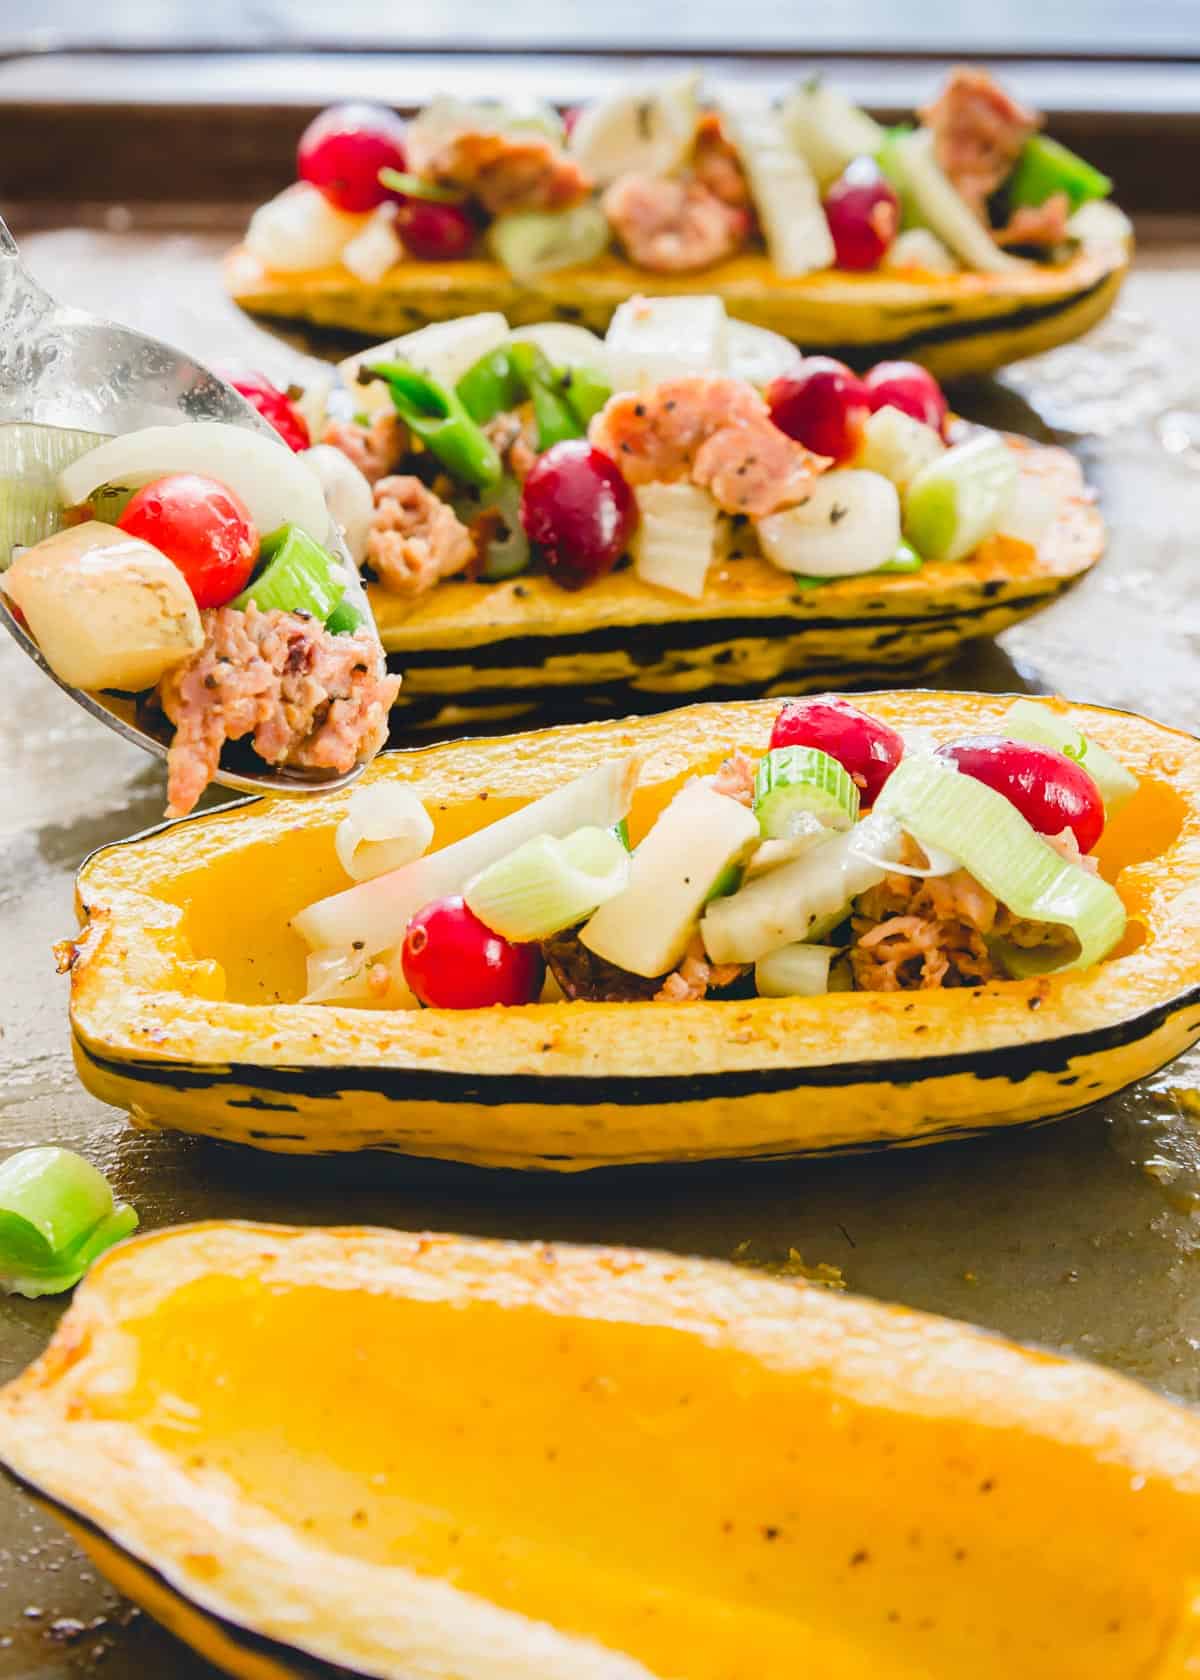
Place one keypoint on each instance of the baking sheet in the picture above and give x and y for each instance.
(1079, 1235)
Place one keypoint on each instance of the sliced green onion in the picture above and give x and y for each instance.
(555, 420)
(585, 389)
(795, 782)
(547, 885)
(57, 1215)
(31, 504)
(345, 619)
(941, 807)
(960, 499)
(495, 521)
(415, 186)
(435, 413)
(905, 559)
(795, 971)
(490, 386)
(675, 540)
(1045, 167)
(1026, 720)
(298, 576)
(621, 830)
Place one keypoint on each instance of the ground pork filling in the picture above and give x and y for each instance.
(913, 933)
(308, 698)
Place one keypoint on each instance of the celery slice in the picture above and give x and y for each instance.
(941, 807)
(298, 576)
(898, 446)
(31, 458)
(57, 1215)
(960, 499)
(531, 243)
(795, 971)
(1026, 720)
(547, 885)
(796, 782)
(1046, 167)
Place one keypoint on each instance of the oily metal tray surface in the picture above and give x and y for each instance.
(1080, 1235)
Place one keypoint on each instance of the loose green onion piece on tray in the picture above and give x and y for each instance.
(1026, 720)
(960, 499)
(547, 885)
(57, 1215)
(941, 807)
(416, 186)
(1046, 167)
(438, 417)
(792, 782)
(298, 575)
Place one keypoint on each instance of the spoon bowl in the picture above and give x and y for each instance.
(69, 372)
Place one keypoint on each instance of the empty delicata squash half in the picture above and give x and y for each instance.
(889, 921)
(362, 1453)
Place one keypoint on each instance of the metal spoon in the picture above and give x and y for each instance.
(67, 370)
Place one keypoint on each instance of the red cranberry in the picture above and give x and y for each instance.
(863, 746)
(863, 213)
(452, 961)
(579, 511)
(822, 405)
(342, 151)
(276, 407)
(1051, 791)
(909, 387)
(434, 232)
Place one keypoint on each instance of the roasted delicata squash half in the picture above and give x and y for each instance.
(351, 1453)
(1008, 933)
(554, 521)
(966, 240)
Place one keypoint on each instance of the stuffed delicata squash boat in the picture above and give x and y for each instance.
(966, 240)
(837, 927)
(687, 506)
(529, 1475)
(191, 577)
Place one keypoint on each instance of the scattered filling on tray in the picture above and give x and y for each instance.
(677, 183)
(190, 570)
(677, 445)
(843, 858)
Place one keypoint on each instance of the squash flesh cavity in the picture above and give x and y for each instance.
(703, 1474)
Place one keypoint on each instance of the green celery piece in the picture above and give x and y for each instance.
(297, 576)
(344, 620)
(57, 1215)
(491, 386)
(1045, 167)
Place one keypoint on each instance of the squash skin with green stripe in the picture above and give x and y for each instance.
(185, 973)
(955, 324)
(297, 1449)
(471, 650)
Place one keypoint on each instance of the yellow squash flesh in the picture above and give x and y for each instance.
(186, 975)
(469, 650)
(956, 324)
(340, 1453)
